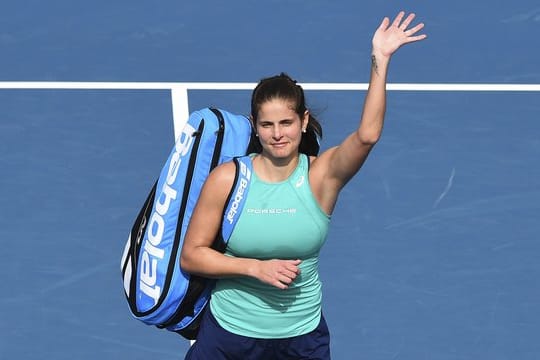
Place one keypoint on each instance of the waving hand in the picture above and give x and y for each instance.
(390, 37)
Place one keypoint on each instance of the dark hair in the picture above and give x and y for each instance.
(283, 87)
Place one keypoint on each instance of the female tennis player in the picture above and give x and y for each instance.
(267, 300)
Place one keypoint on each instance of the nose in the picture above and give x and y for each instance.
(276, 132)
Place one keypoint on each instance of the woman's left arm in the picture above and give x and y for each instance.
(335, 167)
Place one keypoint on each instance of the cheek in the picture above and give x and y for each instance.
(296, 133)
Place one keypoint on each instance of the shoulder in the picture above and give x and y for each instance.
(219, 182)
(223, 174)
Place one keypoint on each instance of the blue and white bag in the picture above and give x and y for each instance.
(157, 290)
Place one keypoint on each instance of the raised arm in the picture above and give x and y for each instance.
(334, 168)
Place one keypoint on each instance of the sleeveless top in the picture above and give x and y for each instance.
(279, 221)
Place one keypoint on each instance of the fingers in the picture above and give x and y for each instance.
(294, 262)
(283, 281)
(402, 24)
(405, 24)
(413, 31)
(289, 272)
(384, 23)
(407, 21)
(279, 273)
(398, 19)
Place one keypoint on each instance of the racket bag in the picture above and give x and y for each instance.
(157, 290)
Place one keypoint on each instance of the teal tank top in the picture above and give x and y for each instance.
(279, 221)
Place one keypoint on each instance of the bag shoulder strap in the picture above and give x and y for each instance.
(237, 197)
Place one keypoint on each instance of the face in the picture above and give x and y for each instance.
(280, 128)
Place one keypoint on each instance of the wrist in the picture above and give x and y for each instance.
(379, 64)
(252, 267)
(379, 57)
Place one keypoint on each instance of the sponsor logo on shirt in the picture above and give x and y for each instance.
(300, 181)
(272, 211)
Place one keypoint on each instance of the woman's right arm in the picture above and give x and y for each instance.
(199, 258)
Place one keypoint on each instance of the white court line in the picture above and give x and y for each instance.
(78, 85)
(180, 100)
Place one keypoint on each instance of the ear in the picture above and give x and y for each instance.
(305, 120)
(253, 128)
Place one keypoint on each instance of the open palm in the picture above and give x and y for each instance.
(389, 37)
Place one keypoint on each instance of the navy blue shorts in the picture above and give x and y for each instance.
(216, 343)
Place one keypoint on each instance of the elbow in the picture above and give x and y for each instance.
(370, 141)
(369, 138)
(193, 260)
(185, 263)
(369, 134)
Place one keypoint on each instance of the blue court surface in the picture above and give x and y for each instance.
(434, 247)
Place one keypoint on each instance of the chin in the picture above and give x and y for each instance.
(283, 154)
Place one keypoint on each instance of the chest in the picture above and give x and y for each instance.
(279, 221)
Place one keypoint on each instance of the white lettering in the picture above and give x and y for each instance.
(168, 194)
(153, 253)
(148, 269)
(148, 277)
(237, 198)
(271, 211)
(153, 292)
(157, 226)
(173, 168)
(243, 169)
(182, 146)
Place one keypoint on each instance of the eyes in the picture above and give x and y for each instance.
(269, 124)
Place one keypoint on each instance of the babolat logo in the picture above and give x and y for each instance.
(245, 176)
(152, 250)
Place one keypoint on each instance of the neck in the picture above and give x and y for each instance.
(273, 169)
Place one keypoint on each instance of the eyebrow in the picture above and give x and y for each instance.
(270, 121)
